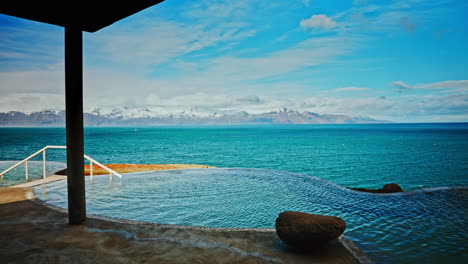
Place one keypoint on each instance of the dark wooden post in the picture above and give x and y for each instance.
(74, 124)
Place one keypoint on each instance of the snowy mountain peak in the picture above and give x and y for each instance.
(145, 116)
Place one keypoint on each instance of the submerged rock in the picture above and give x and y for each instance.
(308, 231)
(388, 188)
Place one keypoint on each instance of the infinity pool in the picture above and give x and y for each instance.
(426, 226)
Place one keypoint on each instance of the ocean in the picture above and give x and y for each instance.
(423, 226)
(415, 156)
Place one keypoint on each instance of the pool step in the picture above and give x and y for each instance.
(51, 178)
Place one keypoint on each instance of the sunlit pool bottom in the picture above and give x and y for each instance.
(421, 226)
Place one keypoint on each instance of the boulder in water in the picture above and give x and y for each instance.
(308, 231)
(391, 188)
(388, 188)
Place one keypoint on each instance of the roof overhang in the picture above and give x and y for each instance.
(86, 15)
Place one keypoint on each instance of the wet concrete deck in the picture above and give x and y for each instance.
(34, 232)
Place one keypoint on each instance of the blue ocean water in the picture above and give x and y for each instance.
(415, 156)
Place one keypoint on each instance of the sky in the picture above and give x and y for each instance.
(404, 61)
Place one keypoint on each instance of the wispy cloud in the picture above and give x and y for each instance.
(164, 40)
(401, 86)
(444, 85)
(219, 9)
(310, 52)
(29, 46)
(351, 89)
(459, 85)
(390, 16)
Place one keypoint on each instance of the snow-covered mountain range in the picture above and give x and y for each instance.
(143, 116)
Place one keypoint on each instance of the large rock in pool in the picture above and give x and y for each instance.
(308, 231)
(388, 188)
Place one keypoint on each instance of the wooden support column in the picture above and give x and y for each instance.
(74, 124)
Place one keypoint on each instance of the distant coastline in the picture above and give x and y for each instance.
(144, 117)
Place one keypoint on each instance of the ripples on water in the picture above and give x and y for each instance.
(415, 227)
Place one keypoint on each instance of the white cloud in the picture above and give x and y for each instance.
(29, 102)
(318, 22)
(169, 96)
(351, 89)
(389, 17)
(199, 26)
(32, 82)
(401, 86)
(215, 8)
(460, 85)
(226, 74)
(453, 104)
(203, 102)
(210, 103)
(163, 41)
(310, 52)
(444, 85)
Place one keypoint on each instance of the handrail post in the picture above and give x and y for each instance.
(44, 166)
(111, 172)
(26, 168)
(91, 169)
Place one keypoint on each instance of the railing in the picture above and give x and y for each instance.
(44, 164)
(91, 161)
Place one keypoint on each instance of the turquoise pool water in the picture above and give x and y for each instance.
(424, 226)
(35, 170)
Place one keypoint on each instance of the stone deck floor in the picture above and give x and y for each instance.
(33, 232)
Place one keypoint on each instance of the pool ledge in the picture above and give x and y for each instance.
(50, 178)
(36, 231)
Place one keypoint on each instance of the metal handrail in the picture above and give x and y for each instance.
(91, 161)
(43, 151)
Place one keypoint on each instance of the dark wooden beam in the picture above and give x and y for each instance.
(88, 15)
(74, 124)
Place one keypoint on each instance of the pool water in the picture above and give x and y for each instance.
(425, 226)
(35, 171)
